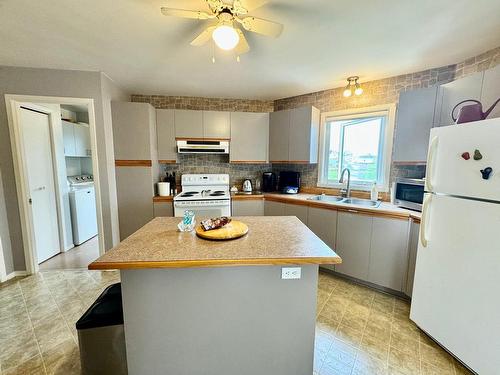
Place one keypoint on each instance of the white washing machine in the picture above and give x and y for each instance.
(83, 208)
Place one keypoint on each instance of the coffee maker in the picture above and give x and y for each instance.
(269, 181)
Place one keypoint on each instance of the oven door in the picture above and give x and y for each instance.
(203, 208)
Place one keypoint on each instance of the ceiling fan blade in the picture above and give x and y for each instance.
(203, 37)
(261, 26)
(216, 5)
(242, 46)
(250, 5)
(184, 13)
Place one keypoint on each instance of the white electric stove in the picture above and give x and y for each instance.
(206, 194)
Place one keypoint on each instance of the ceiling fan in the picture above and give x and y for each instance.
(227, 17)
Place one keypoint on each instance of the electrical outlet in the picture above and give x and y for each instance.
(291, 273)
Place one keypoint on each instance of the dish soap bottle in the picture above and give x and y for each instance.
(374, 192)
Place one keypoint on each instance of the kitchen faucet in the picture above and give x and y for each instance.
(346, 193)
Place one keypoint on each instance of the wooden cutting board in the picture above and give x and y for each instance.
(234, 229)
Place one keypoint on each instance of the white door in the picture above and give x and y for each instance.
(449, 173)
(37, 145)
(457, 279)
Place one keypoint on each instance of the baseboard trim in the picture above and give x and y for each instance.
(15, 274)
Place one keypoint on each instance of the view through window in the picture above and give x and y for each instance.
(356, 143)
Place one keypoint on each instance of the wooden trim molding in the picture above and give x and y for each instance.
(157, 199)
(201, 139)
(249, 161)
(247, 197)
(213, 263)
(163, 161)
(291, 162)
(133, 163)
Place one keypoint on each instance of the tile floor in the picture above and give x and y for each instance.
(359, 331)
(77, 257)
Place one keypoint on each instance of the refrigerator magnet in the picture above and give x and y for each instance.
(465, 156)
(486, 172)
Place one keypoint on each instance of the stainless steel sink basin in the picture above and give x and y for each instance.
(326, 198)
(361, 202)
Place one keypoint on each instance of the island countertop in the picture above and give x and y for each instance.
(271, 240)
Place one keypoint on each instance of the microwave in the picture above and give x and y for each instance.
(409, 193)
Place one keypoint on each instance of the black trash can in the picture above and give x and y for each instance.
(101, 336)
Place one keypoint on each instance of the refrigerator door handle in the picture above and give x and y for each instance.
(423, 224)
(430, 164)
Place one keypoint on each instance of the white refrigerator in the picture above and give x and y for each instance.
(456, 292)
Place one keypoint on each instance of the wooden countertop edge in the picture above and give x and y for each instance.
(242, 197)
(375, 212)
(213, 263)
(305, 202)
(157, 198)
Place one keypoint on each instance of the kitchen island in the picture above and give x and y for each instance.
(193, 306)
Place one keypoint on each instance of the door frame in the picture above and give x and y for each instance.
(13, 104)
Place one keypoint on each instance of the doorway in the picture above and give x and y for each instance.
(37, 140)
(54, 144)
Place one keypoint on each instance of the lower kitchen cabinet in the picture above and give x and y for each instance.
(353, 244)
(296, 210)
(388, 253)
(162, 209)
(247, 207)
(323, 223)
(274, 208)
(412, 255)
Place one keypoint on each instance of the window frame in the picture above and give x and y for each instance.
(385, 144)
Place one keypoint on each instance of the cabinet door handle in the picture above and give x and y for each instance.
(353, 211)
(423, 224)
(430, 164)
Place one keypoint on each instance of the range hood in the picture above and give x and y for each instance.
(202, 147)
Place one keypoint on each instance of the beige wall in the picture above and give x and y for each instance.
(63, 83)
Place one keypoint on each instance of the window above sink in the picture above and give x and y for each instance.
(360, 140)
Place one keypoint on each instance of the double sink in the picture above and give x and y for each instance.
(342, 200)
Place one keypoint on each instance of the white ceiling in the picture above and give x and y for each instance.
(323, 42)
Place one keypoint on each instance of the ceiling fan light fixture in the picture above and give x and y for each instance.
(225, 37)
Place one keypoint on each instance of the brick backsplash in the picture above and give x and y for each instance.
(207, 104)
(377, 92)
(192, 163)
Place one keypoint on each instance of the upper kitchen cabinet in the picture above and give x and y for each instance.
(82, 139)
(68, 129)
(294, 135)
(188, 123)
(134, 131)
(249, 137)
(414, 121)
(279, 128)
(450, 94)
(491, 90)
(304, 135)
(76, 139)
(216, 124)
(165, 130)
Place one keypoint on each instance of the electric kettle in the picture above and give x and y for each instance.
(247, 186)
(471, 112)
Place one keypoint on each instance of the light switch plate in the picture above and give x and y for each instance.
(291, 273)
